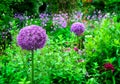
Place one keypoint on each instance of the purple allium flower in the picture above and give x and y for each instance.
(32, 37)
(78, 28)
(109, 66)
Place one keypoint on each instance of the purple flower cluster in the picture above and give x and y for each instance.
(97, 15)
(44, 18)
(76, 16)
(109, 66)
(78, 28)
(22, 18)
(32, 37)
(19, 16)
(60, 20)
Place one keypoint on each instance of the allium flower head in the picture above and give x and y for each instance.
(78, 28)
(32, 37)
(109, 66)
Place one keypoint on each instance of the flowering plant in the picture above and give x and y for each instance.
(32, 37)
(60, 20)
(78, 28)
(109, 66)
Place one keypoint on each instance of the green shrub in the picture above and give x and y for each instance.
(105, 41)
(102, 47)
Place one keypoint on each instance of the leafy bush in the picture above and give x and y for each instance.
(103, 46)
(103, 42)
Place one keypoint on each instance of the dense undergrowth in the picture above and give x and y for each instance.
(61, 61)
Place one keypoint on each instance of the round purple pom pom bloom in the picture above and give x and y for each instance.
(32, 37)
(78, 28)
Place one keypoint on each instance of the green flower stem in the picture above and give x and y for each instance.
(78, 42)
(32, 66)
(5, 71)
(106, 78)
(113, 78)
(5, 61)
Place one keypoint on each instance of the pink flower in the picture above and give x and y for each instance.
(75, 48)
(109, 66)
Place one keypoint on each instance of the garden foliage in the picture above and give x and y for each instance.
(60, 61)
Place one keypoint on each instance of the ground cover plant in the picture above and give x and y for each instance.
(59, 45)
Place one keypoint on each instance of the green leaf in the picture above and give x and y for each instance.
(118, 61)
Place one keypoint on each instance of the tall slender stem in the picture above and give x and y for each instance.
(5, 71)
(32, 66)
(80, 42)
(79, 45)
(113, 78)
